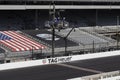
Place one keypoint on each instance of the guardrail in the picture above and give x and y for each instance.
(56, 60)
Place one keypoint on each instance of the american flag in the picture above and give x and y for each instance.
(18, 42)
(4, 37)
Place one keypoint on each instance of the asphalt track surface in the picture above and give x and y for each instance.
(63, 71)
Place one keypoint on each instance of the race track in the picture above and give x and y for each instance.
(63, 71)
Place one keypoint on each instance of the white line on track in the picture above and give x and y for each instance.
(80, 68)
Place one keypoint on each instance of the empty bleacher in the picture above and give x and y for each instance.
(17, 42)
(31, 19)
(82, 37)
(87, 39)
(94, 32)
(47, 38)
(9, 21)
(2, 50)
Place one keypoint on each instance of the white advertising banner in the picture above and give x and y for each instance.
(112, 78)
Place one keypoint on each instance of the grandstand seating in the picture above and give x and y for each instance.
(9, 21)
(31, 19)
(17, 42)
(2, 50)
(58, 43)
(83, 37)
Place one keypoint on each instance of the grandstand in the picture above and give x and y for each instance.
(39, 14)
(93, 27)
(23, 32)
(42, 35)
(83, 37)
(17, 42)
(25, 42)
(20, 19)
